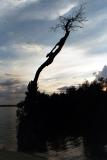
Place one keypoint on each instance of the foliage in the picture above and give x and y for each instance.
(75, 112)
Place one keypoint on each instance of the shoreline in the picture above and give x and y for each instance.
(8, 105)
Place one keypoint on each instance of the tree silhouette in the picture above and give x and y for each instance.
(31, 106)
(67, 24)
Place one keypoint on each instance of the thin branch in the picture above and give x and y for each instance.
(71, 21)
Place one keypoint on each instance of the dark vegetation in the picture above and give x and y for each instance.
(9, 105)
(78, 112)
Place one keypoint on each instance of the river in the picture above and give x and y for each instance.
(8, 128)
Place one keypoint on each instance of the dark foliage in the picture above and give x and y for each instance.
(77, 112)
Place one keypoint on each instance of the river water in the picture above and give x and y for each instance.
(71, 148)
(8, 128)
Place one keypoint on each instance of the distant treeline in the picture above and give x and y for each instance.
(8, 105)
(79, 111)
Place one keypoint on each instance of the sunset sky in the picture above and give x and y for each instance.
(26, 38)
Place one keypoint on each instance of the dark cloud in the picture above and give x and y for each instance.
(9, 82)
(22, 28)
(28, 23)
(45, 9)
(19, 27)
(11, 91)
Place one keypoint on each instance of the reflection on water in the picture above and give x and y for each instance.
(71, 148)
(78, 148)
(89, 147)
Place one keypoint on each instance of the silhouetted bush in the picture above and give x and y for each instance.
(42, 117)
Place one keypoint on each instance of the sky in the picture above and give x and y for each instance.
(26, 37)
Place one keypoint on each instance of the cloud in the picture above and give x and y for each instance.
(20, 51)
(29, 48)
(25, 39)
(8, 6)
(46, 9)
(11, 91)
(94, 29)
(102, 73)
(9, 82)
(29, 21)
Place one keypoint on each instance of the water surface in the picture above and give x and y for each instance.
(70, 148)
(8, 128)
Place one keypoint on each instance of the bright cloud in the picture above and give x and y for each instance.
(71, 66)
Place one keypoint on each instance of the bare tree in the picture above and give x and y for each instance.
(67, 24)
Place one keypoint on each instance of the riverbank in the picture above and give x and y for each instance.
(10, 155)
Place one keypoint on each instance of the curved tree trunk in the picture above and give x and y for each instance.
(51, 56)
